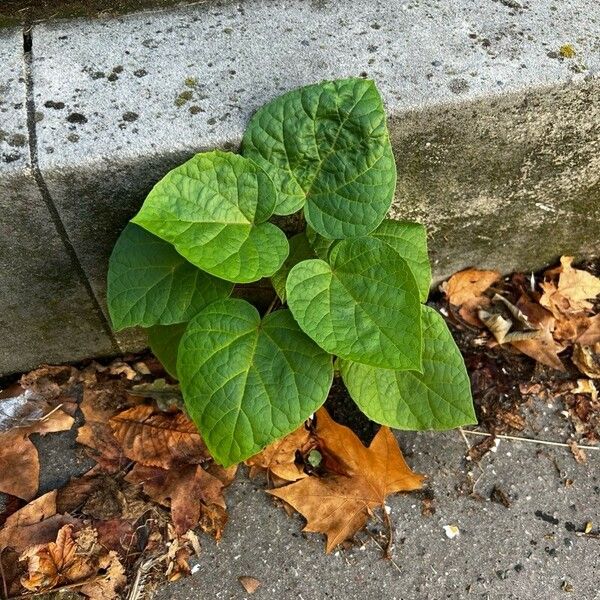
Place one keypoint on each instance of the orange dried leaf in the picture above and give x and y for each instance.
(279, 458)
(465, 289)
(54, 563)
(19, 458)
(158, 439)
(574, 290)
(468, 284)
(587, 359)
(339, 505)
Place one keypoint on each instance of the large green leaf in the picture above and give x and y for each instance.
(409, 240)
(213, 209)
(327, 148)
(248, 382)
(299, 250)
(438, 398)
(149, 283)
(164, 343)
(363, 305)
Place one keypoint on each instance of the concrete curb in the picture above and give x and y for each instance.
(496, 132)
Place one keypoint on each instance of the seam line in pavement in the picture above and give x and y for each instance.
(45, 192)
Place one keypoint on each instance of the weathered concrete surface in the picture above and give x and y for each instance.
(44, 307)
(496, 133)
(501, 553)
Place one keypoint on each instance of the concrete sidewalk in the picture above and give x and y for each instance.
(494, 115)
(527, 551)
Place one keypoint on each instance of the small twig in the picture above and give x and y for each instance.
(388, 522)
(384, 551)
(525, 439)
(272, 305)
(143, 569)
(46, 417)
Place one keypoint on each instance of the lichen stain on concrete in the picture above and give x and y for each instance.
(458, 86)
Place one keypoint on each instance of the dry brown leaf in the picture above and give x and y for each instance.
(279, 458)
(20, 471)
(543, 349)
(465, 289)
(110, 582)
(158, 439)
(74, 558)
(250, 584)
(186, 489)
(591, 335)
(339, 505)
(100, 402)
(55, 563)
(575, 287)
(35, 523)
(587, 359)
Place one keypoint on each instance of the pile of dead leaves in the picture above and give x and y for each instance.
(552, 317)
(128, 521)
(325, 472)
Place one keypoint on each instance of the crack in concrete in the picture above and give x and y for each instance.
(45, 192)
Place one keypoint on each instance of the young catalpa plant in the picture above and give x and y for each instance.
(353, 282)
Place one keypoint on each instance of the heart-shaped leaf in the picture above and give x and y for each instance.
(213, 209)
(248, 382)
(299, 250)
(149, 283)
(363, 305)
(164, 343)
(409, 240)
(327, 149)
(438, 398)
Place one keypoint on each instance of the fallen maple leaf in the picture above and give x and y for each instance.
(158, 439)
(186, 489)
(339, 505)
(465, 289)
(19, 457)
(74, 558)
(54, 563)
(279, 458)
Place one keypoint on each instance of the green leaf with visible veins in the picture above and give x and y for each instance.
(299, 250)
(438, 398)
(214, 209)
(409, 240)
(248, 382)
(321, 246)
(164, 343)
(363, 305)
(327, 148)
(149, 283)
